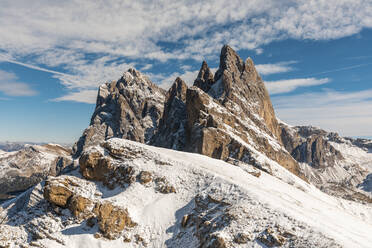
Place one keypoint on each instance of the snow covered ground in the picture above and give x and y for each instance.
(255, 203)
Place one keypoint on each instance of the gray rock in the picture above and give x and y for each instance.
(129, 108)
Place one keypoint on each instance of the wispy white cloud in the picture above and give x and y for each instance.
(84, 96)
(346, 68)
(11, 86)
(267, 69)
(349, 113)
(34, 67)
(61, 34)
(284, 86)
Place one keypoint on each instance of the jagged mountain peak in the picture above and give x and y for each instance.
(130, 108)
(178, 86)
(205, 77)
(230, 117)
(229, 60)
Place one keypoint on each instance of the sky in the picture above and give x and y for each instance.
(315, 57)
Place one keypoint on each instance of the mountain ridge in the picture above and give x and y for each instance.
(207, 165)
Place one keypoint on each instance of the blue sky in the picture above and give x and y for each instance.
(314, 56)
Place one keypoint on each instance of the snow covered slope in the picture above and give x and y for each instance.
(210, 203)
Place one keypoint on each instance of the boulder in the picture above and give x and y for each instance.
(112, 219)
(271, 239)
(57, 192)
(95, 166)
(145, 177)
(80, 206)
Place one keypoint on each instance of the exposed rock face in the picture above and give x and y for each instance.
(95, 166)
(112, 219)
(145, 177)
(205, 78)
(232, 115)
(80, 206)
(228, 115)
(310, 145)
(271, 239)
(58, 192)
(129, 108)
(24, 168)
(171, 133)
(317, 152)
(324, 165)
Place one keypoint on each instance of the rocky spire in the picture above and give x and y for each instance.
(205, 78)
(229, 60)
(171, 132)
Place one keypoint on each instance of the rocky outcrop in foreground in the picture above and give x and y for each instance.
(67, 192)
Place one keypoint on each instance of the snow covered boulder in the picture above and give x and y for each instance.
(69, 192)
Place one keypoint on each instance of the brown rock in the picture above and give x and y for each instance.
(80, 206)
(145, 177)
(121, 152)
(95, 166)
(270, 238)
(242, 238)
(185, 220)
(217, 242)
(124, 175)
(163, 186)
(112, 219)
(57, 192)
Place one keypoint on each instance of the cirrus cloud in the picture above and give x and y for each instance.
(288, 85)
(94, 41)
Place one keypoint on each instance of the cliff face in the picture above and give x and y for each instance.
(338, 166)
(227, 115)
(129, 108)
